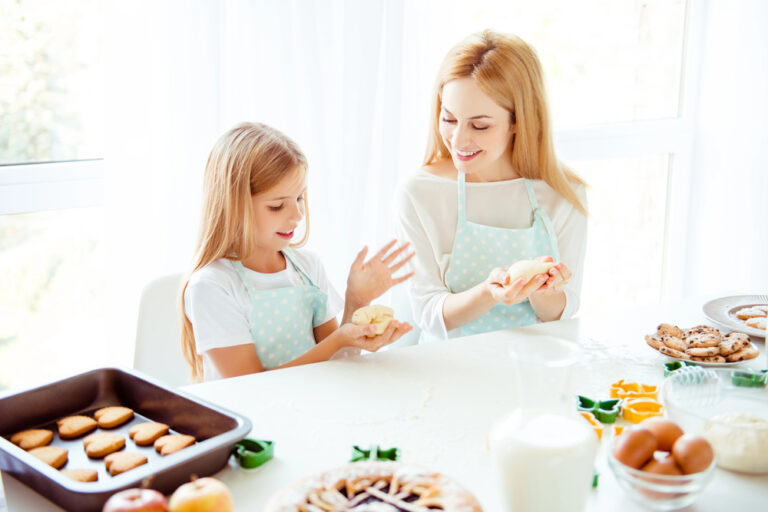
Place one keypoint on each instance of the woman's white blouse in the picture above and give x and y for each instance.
(426, 212)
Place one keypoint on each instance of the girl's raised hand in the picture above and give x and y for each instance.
(357, 335)
(370, 279)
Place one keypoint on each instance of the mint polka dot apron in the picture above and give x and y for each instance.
(282, 319)
(478, 249)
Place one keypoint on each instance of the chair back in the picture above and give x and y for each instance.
(158, 333)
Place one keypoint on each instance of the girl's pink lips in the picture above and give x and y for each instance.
(467, 158)
(287, 236)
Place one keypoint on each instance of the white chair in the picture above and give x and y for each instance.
(158, 333)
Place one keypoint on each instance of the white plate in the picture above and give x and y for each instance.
(722, 312)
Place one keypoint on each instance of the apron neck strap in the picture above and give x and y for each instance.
(462, 195)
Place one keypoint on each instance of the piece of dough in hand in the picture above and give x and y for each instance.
(527, 269)
(380, 316)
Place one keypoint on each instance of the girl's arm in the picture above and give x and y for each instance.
(242, 359)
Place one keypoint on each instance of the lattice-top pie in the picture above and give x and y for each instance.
(375, 487)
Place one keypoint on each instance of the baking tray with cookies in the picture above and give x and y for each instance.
(79, 440)
(704, 345)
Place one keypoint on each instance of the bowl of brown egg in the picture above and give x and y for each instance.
(660, 466)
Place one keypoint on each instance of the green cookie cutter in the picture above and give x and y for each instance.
(374, 453)
(749, 379)
(676, 365)
(252, 453)
(606, 411)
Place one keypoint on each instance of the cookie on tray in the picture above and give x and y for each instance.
(75, 426)
(32, 438)
(147, 433)
(54, 456)
(81, 475)
(120, 462)
(101, 444)
(757, 323)
(172, 443)
(114, 416)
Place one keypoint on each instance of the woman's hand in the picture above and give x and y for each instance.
(370, 279)
(502, 290)
(557, 276)
(508, 293)
(357, 335)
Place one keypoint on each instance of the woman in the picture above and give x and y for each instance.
(491, 193)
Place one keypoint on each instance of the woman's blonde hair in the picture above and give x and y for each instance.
(508, 70)
(249, 159)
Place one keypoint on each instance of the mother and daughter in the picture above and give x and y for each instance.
(491, 192)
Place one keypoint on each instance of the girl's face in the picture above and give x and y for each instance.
(476, 130)
(278, 211)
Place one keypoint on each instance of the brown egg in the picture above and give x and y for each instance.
(635, 447)
(666, 432)
(692, 453)
(663, 466)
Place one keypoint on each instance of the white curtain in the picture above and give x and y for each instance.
(350, 81)
(728, 224)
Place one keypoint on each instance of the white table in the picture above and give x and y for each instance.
(436, 403)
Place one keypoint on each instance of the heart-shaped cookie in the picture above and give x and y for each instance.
(102, 443)
(75, 426)
(32, 438)
(111, 417)
(171, 443)
(145, 434)
(81, 475)
(121, 462)
(54, 456)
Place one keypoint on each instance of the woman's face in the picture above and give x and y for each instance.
(476, 130)
(278, 211)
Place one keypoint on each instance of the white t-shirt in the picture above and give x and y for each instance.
(216, 301)
(426, 212)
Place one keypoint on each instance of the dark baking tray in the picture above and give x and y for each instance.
(215, 428)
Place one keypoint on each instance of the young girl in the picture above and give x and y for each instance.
(254, 301)
(491, 193)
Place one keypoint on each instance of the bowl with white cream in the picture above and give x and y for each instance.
(729, 408)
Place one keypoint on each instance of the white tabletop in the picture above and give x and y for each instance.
(436, 402)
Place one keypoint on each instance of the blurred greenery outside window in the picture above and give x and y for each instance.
(51, 262)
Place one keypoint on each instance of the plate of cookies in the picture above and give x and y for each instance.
(745, 313)
(702, 344)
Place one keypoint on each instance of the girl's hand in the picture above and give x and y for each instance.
(357, 335)
(370, 279)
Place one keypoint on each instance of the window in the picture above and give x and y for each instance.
(51, 263)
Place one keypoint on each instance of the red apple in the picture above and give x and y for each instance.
(201, 495)
(136, 500)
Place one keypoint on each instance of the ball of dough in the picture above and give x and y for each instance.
(527, 269)
(380, 316)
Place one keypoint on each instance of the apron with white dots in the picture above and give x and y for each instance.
(478, 249)
(282, 319)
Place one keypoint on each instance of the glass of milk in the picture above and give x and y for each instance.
(544, 451)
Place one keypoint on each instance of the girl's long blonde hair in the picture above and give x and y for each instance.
(249, 159)
(508, 70)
